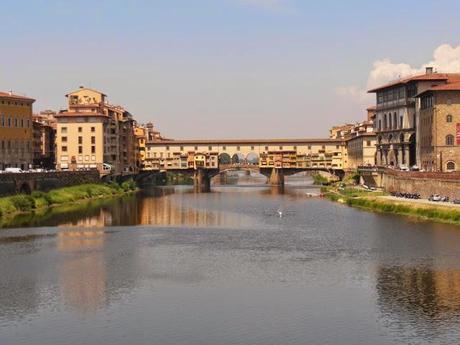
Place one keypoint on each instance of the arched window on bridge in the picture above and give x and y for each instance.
(450, 166)
(449, 118)
(449, 140)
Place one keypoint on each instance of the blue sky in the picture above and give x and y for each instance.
(224, 68)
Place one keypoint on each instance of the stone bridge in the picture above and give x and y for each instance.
(26, 182)
(274, 158)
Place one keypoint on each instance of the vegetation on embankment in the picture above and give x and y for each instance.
(22, 203)
(320, 180)
(173, 179)
(368, 200)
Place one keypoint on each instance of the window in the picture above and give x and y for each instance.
(64, 139)
(182, 148)
(80, 140)
(80, 129)
(93, 129)
(64, 149)
(266, 148)
(93, 140)
(80, 149)
(209, 148)
(93, 149)
(368, 143)
(449, 118)
(449, 140)
(63, 129)
(450, 166)
(196, 148)
(237, 148)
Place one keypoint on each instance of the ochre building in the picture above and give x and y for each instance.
(16, 133)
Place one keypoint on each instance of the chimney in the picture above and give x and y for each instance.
(82, 87)
(429, 70)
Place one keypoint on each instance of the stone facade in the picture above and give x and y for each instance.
(439, 126)
(27, 182)
(361, 150)
(397, 117)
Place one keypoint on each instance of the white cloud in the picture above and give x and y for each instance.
(445, 59)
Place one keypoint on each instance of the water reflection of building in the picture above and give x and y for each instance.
(82, 277)
(184, 211)
(419, 293)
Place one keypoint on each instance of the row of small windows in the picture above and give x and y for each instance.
(15, 103)
(390, 121)
(14, 145)
(14, 122)
(238, 148)
(80, 129)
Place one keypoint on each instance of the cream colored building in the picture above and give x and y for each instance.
(93, 134)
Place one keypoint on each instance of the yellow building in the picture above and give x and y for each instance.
(15, 131)
(92, 134)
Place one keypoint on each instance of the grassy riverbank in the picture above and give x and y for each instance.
(372, 201)
(22, 203)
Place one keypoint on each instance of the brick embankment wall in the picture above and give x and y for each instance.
(14, 183)
(425, 183)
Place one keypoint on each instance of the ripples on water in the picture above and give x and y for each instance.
(169, 266)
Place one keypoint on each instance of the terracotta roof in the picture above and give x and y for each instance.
(13, 96)
(76, 114)
(444, 87)
(419, 77)
(246, 141)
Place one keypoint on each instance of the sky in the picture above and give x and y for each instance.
(225, 68)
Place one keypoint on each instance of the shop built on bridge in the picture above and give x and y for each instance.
(273, 158)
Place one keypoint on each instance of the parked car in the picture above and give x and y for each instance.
(456, 201)
(415, 168)
(435, 197)
(403, 168)
(14, 170)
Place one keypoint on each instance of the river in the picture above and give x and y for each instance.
(170, 266)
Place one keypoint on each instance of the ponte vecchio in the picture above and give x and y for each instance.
(274, 158)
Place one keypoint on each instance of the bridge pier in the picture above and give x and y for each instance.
(202, 181)
(276, 177)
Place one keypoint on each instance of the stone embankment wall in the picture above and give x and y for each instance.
(425, 183)
(27, 182)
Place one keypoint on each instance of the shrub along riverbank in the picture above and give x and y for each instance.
(370, 201)
(20, 203)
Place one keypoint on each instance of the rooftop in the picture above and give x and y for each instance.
(419, 77)
(11, 95)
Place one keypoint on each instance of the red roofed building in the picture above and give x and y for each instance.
(397, 117)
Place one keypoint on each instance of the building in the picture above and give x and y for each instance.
(397, 117)
(140, 135)
(44, 139)
(360, 141)
(340, 132)
(16, 132)
(439, 127)
(93, 134)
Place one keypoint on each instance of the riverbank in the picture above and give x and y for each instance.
(23, 203)
(379, 202)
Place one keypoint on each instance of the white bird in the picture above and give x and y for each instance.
(280, 213)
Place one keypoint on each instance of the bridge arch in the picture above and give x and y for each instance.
(25, 188)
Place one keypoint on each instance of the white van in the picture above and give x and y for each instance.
(13, 170)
